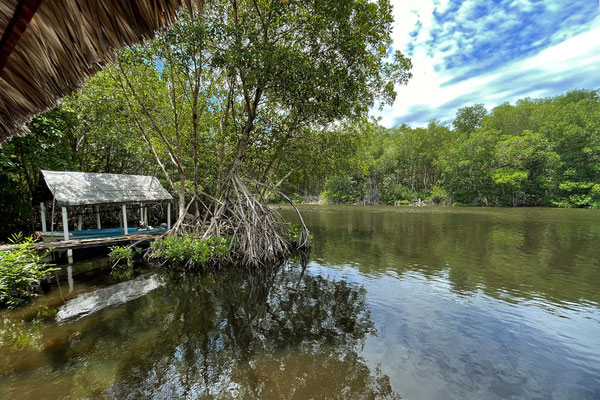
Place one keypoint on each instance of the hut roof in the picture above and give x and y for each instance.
(49, 47)
(84, 188)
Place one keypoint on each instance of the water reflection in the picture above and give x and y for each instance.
(270, 334)
(473, 303)
(89, 303)
(275, 334)
(509, 254)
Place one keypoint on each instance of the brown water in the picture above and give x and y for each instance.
(419, 303)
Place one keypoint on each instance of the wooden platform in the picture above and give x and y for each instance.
(88, 243)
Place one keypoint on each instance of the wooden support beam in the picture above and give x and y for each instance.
(125, 231)
(168, 215)
(17, 25)
(43, 215)
(70, 270)
(98, 218)
(65, 223)
(89, 243)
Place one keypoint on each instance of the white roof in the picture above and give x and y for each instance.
(84, 188)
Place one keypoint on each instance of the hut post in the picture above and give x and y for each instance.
(146, 215)
(65, 223)
(43, 214)
(125, 231)
(70, 270)
(142, 213)
(98, 218)
(168, 215)
(79, 222)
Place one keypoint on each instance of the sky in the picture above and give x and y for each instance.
(466, 52)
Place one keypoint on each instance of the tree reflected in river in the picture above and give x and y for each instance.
(276, 333)
(509, 254)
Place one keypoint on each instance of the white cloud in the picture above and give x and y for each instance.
(572, 57)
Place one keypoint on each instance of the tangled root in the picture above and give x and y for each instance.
(259, 235)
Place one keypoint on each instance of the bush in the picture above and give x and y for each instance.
(21, 270)
(343, 190)
(189, 248)
(293, 234)
(298, 199)
(121, 255)
(392, 192)
(439, 195)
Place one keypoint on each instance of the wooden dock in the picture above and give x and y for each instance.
(70, 245)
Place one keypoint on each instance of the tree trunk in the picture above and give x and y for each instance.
(243, 143)
(372, 196)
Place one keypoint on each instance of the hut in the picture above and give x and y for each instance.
(64, 189)
(49, 47)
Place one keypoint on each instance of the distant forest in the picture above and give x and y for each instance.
(543, 152)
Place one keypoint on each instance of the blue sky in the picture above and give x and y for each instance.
(491, 51)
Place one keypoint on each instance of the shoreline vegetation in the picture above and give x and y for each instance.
(22, 271)
(192, 251)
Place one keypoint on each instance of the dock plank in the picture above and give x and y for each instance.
(87, 243)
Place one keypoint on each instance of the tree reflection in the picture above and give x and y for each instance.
(525, 253)
(277, 333)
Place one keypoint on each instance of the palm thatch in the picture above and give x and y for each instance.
(49, 47)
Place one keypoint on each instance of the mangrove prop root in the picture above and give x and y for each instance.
(259, 235)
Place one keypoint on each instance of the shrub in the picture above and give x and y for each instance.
(293, 234)
(189, 248)
(21, 270)
(439, 195)
(343, 190)
(392, 192)
(298, 199)
(121, 255)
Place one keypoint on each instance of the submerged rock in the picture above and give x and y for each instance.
(97, 300)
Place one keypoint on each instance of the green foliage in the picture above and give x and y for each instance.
(534, 153)
(21, 270)
(343, 190)
(392, 192)
(294, 232)
(122, 255)
(468, 119)
(467, 169)
(440, 196)
(280, 88)
(289, 95)
(190, 247)
(51, 146)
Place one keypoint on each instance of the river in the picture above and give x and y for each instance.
(396, 302)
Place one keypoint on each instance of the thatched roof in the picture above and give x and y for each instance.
(70, 188)
(49, 47)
